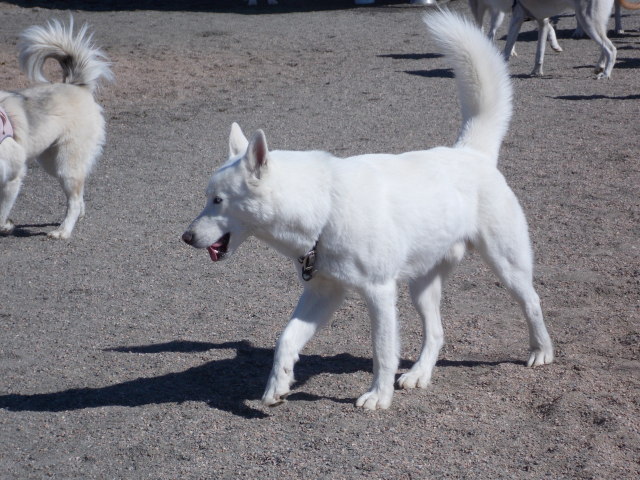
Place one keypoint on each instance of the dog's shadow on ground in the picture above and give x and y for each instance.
(28, 230)
(227, 384)
(433, 73)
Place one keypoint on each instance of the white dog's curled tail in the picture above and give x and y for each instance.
(82, 63)
(482, 78)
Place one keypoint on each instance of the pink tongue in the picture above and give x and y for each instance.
(213, 253)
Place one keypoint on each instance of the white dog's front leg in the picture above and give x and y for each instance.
(381, 302)
(426, 293)
(314, 309)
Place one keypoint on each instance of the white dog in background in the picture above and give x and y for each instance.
(368, 222)
(60, 125)
(592, 16)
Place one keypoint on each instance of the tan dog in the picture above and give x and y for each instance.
(60, 125)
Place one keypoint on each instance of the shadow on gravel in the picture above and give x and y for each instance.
(25, 230)
(435, 73)
(229, 6)
(411, 56)
(223, 384)
(597, 97)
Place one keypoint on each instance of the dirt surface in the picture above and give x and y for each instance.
(126, 354)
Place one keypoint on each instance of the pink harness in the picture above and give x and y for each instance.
(7, 128)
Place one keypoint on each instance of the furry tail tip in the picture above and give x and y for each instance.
(482, 78)
(82, 63)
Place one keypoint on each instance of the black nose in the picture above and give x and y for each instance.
(187, 237)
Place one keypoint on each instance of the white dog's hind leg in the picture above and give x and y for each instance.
(504, 244)
(381, 302)
(425, 294)
(316, 305)
(74, 190)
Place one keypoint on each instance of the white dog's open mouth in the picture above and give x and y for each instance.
(218, 250)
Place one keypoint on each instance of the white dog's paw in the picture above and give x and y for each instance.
(276, 391)
(59, 234)
(540, 356)
(415, 379)
(7, 228)
(275, 399)
(375, 400)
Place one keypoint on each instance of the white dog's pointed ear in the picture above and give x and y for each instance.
(238, 143)
(257, 153)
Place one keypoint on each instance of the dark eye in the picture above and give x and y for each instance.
(217, 200)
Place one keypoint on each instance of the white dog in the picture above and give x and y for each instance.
(60, 124)
(366, 223)
(592, 17)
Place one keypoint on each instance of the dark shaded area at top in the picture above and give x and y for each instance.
(237, 6)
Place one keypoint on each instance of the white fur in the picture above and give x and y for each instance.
(379, 219)
(592, 16)
(60, 125)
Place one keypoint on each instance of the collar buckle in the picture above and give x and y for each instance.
(308, 262)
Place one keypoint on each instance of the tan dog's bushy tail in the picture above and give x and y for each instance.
(82, 63)
(629, 5)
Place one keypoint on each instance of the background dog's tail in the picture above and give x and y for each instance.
(82, 63)
(482, 77)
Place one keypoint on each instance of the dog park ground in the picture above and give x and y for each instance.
(126, 354)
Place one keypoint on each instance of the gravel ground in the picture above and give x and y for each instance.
(126, 354)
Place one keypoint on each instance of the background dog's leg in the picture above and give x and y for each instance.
(596, 28)
(497, 17)
(425, 294)
(316, 305)
(553, 40)
(618, 19)
(478, 10)
(517, 17)
(505, 246)
(8, 194)
(543, 33)
(74, 190)
(381, 302)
